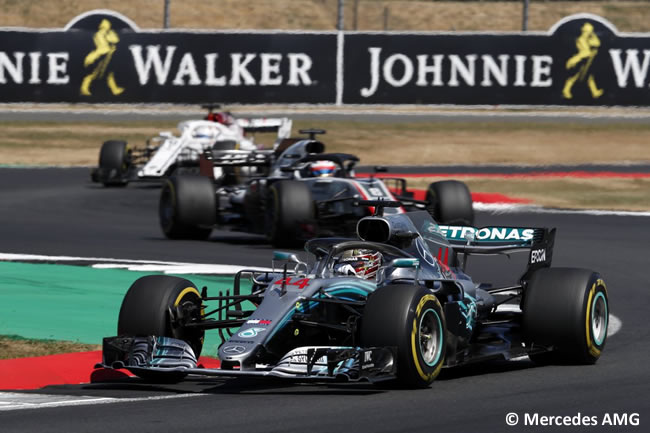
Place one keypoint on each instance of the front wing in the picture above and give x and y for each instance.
(311, 363)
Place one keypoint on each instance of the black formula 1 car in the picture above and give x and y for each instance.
(393, 304)
(292, 193)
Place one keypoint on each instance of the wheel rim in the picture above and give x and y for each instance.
(429, 336)
(272, 214)
(599, 318)
(185, 302)
(432, 204)
(166, 209)
(126, 160)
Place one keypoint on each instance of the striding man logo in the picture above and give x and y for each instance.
(580, 63)
(99, 60)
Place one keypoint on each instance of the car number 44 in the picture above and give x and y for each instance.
(301, 282)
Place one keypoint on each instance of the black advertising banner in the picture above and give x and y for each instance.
(581, 61)
(103, 57)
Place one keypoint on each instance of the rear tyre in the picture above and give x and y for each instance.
(146, 310)
(289, 204)
(114, 162)
(187, 207)
(411, 319)
(450, 202)
(566, 310)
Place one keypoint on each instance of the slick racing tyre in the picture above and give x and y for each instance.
(411, 319)
(187, 207)
(450, 202)
(289, 204)
(566, 310)
(148, 307)
(114, 161)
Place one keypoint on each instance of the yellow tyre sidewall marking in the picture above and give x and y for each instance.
(591, 346)
(127, 149)
(414, 343)
(172, 192)
(237, 170)
(184, 292)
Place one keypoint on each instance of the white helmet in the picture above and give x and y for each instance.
(322, 168)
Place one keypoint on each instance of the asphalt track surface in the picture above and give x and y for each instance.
(58, 212)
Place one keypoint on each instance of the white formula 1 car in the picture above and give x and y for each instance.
(119, 163)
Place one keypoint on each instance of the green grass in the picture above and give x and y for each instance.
(13, 346)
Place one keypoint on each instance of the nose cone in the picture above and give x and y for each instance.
(242, 344)
(232, 351)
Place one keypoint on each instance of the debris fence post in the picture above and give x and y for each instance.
(386, 14)
(524, 24)
(166, 15)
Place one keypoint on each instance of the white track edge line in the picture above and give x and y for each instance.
(92, 401)
(136, 265)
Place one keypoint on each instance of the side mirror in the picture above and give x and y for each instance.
(299, 268)
(284, 256)
(405, 263)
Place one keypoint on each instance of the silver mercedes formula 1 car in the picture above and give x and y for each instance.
(394, 304)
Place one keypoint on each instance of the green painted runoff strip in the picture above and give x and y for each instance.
(76, 303)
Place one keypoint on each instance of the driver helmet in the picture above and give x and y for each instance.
(361, 263)
(203, 132)
(225, 118)
(322, 168)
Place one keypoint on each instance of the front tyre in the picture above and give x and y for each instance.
(114, 163)
(187, 207)
(289, 205)
(566, 310)
(450, 202)
(409, 318)
(160, 305)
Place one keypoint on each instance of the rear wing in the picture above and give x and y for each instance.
(538, 242)
(281, 124)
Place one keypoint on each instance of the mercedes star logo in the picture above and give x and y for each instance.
(234, 350)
